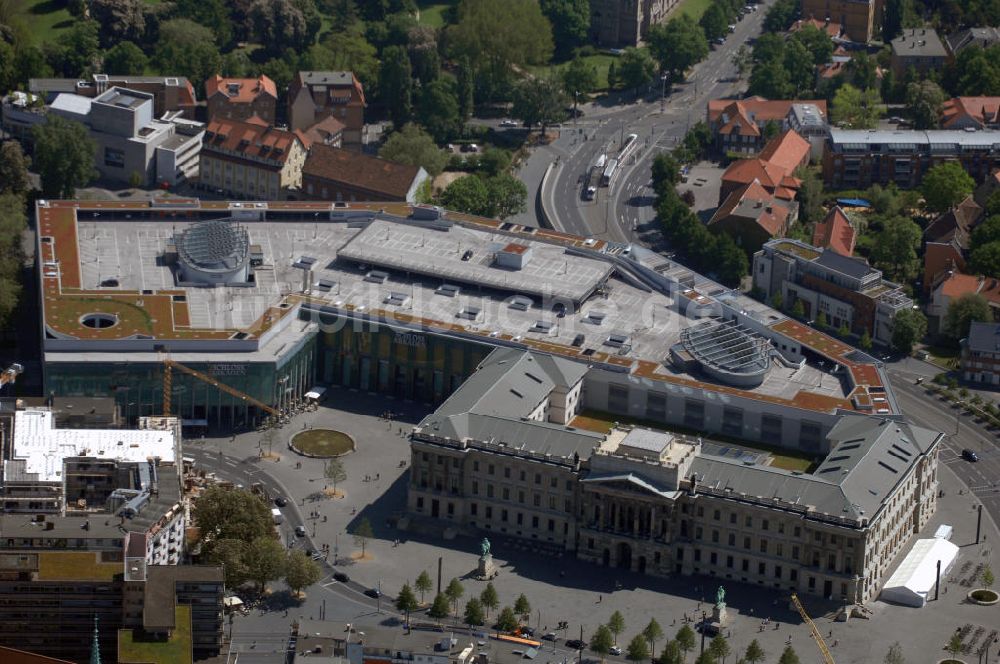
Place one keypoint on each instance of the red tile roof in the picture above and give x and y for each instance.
(753, 201)
(324, 131)
(788, 150)
(240, 90)
(253, 140)
(984, 110)
(938, 258)
(833, 30)
(757, 108)
(959, 284)
(381, 177)
(955, 224)
(773, 168)
(835, 232)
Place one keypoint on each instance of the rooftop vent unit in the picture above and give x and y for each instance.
(376, 276)
(448, 290)
(519, 303)
(470, 312)
(514, 256)
(616, 340)
(304, 263)
(396, 298)
(543, 326)
(596, 317)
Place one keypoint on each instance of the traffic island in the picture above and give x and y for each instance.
(322, 443)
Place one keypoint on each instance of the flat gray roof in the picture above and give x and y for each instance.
(917, 137)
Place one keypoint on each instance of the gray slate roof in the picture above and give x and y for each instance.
(327, 77)
(852, 267)
(922, 42)
(982, 37)
(984, 337)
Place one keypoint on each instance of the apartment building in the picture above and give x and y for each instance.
(662, 504)
(241, 98)
(334, 174)
(169, 93)
(918, 48)
(625, 23)
(847, 290)
(950, 285)
(251, 160)
(980, 360)
(859, 158)
(972, 37)
(316, 95)
(741, 126)
(860, 19)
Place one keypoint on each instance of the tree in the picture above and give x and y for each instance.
(652, 633)
(955, 646)
(231, 555)
(988, 578)
(985, 259)
(616, 623)
(843, 331)
(821, 321)
(467, 194)
(854, 108)
(895, 655)
(465, 88)
(489, 598)
(780, 16)
(13, 221)
(570, 21)
(636, 68)
(685, 639)
(334, 471)
(120, 20)
(719, 647)
(507, 621)
(413, 146)
(817, 43)
(788, 656)
(362, 533)
(396, 81)
(924, 101)
(612, 76)
(406, 601)
(494, 161)
(908, 327)
(187, 49)
(638, 649)
(671, 653)
(301, 571)
(728, 260)
(945, 185)
(705, 658)
(714, 21)
(865, 341)
(265, 561)
(892, 22)
(601, 641)
(666, 170)
(423, 49)
(539, 101)
(281, 24)
(352, 52)
(579, 78)
(212, 14)
(125, 58)
(439, 110)
(76, 50)
(962, 311)
(798, 62)
(741, 58)
(771, 79)
(678, 45)
(754, 653)
(13, 168)
(506, 195)
(895, 248)
(440, 608)
(231, 514)
(522, 607)
(497, 37)
(423, 584)
(454, 592)
(473, 613)
(799, 309)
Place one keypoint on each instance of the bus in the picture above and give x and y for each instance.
(609, 172)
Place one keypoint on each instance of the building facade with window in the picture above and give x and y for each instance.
(251, 160)
(980, 360)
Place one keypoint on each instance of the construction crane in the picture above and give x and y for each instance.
(820, 643)
(10, 374)
(168, 380)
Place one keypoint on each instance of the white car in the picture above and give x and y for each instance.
(732, 27)
(615, 650)
(508, 123)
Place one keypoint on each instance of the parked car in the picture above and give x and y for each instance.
(550, 636)
(470, 147)
(508, 123)
(280, 501)
(589, 193)
(615, 650)
(374, 593)
(969, 455)
(732, 27)
(527, 631)
(575, 644)
(340, 576)
(300, 531)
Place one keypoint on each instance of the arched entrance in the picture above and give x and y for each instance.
(624, 557)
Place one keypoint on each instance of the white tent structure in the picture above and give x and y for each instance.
(914, 579)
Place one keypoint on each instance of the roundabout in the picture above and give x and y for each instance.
(322, 443)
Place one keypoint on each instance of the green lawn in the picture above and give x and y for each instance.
(694, 8)
(44, 19)
(323, 442)
(133, 647)
(601, 61)
(432, 13)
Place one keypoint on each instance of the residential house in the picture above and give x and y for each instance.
(980, 359)
(955, 224)
(952, 285)
(131, 143)
(989, 187)
(739, 126)
(963, 39)
(847, 290)
(831, 29)
(241, 98)
(836, 232)
(919, 48)
(314, 96)
(971, 112)
(773, 168)
(329, 131)
(626, 22)
(251, 160)
(170, 93)
(940, 258)
(752, 216)
(334, 174)
(860, 18)
(859, 158)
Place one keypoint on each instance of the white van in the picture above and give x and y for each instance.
(278, 516)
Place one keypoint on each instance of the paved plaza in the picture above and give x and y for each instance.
(562, 589)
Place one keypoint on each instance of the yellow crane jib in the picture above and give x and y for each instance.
(168, 367)
(820, 643)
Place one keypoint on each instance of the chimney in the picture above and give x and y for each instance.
(693, 491)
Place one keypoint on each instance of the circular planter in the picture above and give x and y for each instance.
(951, 660)
(322, 443)
(983, 596)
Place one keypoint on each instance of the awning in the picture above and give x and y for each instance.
(316, 393)
(232, 602)
(915, 577)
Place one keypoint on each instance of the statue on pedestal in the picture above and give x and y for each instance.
(719, 613)
(485, 547)
(720, 597)
(486, 570)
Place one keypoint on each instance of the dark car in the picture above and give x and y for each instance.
(374, 593)
(280, 501)
(300, 531)
(969, 455)
(528, 631)
(575, 644)
(340, 576)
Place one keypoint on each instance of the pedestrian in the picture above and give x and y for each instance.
(377, 475)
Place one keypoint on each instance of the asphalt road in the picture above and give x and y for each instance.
(619, 211)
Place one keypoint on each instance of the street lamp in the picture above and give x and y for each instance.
(663, 90)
